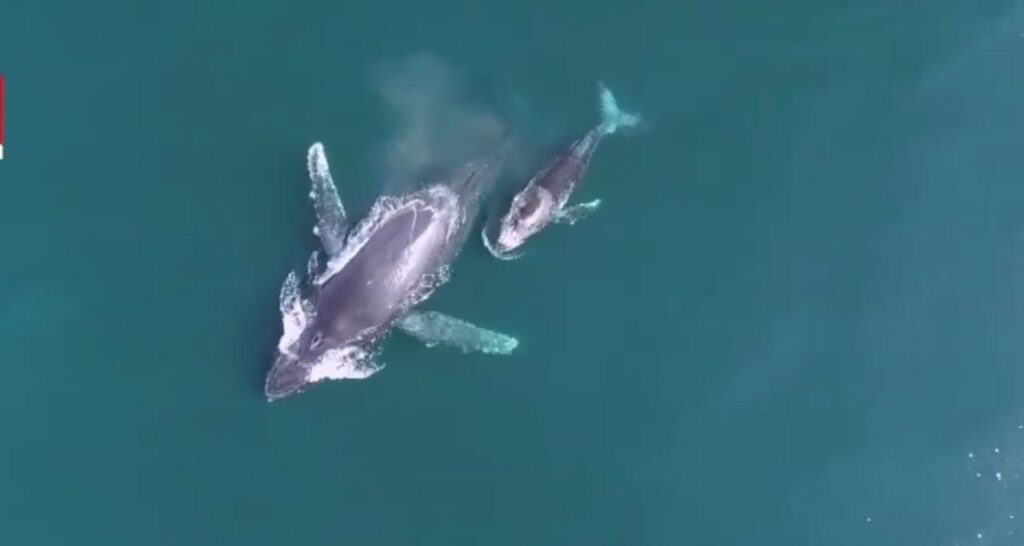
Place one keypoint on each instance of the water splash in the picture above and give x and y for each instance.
(344, 363)
(295, 313)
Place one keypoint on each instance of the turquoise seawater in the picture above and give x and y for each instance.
(797, 319)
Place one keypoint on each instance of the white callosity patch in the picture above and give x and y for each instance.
(344, 363)
(295, 314)
(331, 221)
(531, 211)
(313, 266)
(507, 256)
(349, 362)
(433, 328)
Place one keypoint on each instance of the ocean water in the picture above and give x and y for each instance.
(797, 319)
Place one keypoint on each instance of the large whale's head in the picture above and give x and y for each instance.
(531, 210)
(314, 357)
(286, 377)
(291, 369)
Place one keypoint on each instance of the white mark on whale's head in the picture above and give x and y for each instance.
(312, 358)
(530, 212)
(306, 352)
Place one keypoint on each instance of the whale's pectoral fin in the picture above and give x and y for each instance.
(331, 221)
(433, 328)
(576, 213)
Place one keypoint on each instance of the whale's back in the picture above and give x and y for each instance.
(367, 293)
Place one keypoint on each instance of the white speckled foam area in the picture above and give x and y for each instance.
(344, 363)
(294, 315)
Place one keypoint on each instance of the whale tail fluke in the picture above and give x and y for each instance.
(612, 118)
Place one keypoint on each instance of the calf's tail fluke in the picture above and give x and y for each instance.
(612, 118)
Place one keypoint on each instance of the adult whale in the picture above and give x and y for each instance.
(374, 276)
(546, 195)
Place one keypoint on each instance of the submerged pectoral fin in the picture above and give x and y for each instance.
(433, 328)
(331, 221)
(575, 213)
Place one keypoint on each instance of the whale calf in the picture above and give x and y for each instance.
(546, 195)
(375, 275)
